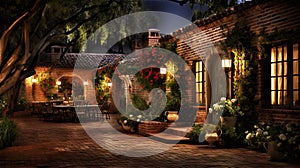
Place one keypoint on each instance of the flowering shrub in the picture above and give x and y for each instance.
(47, 83)
(286, 136)
(226, 108)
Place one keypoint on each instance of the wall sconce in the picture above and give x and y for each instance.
(85, 83)
(163, 71)
(33, 80)
(226, 63)
(109, 84)
(58, 83)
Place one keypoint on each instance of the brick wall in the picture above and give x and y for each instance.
(196, 41)
(34, 92)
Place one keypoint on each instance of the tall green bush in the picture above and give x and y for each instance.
(8, 132)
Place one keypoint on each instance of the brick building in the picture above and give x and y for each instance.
(278, 78)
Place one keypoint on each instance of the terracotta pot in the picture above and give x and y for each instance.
(272, 151)
(172, 116)
(228, 121)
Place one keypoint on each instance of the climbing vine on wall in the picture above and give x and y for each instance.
(240, 40)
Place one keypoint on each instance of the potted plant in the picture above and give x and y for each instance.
(229, 110)
(173, 99)
(281, 141)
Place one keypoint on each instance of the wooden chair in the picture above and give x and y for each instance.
(105, 109)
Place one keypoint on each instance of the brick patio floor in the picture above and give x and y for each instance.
(47, 144)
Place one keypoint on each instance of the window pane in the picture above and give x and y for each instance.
(273, 83)
(200, 87)
(200, 66)
(279, 69)
(295, 82)
(197, 97)
(279, 97)
(285, 68)
(279, 56)
(284, 98)
(295, 51)
(295, 67)
(279, 84)
(273, 98)
(296, 98)
(273, 54)
(285, 53)
(197, 66)
(200, 77)
(273, 69)
(197, 87)
(285, 83)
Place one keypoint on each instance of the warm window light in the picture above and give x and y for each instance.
(58, 83)
(226, 63)
(163, 70)
(85, 83)
(33, 80)
(109, 84)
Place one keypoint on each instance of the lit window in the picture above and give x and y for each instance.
(200, 82)
(284, 73)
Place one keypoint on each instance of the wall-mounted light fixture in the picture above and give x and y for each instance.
(226, 63)
(33, 80)
(109, 84)
(163, 71)
(58, 83)
(85, 83)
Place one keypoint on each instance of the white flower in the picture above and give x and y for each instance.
(139, 116)
(138, 120)
(221, 106)
(130, 116)
(268, 137)
(210, 110)
(223, 99)
(279, 144)
(255, 126)
(246, 132)
(233, 100)
(266, 133)
(125, 121)
(268, 127)
(216, 107)
(282, 137)
(248, 136)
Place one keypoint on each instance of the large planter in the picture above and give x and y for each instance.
(147, 128)
(272, 151)
(228, 121)
(172, 116)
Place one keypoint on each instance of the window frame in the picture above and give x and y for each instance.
(290, 76)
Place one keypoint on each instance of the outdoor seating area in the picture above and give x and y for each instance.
(69, 111)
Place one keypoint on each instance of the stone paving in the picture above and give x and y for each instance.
(48, 144)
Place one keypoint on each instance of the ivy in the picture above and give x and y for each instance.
(240, 41)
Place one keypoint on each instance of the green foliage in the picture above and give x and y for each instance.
(8, 132)
(139, 102)
(195, 133)
(3, 102)
(174, 96)
(230, 137)
(240, 40)
(22, 103)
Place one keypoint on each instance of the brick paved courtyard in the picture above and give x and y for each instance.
(47, 144)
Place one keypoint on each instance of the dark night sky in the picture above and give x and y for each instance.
(170, 7)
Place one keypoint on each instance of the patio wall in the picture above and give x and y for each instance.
(279, 14)
(34, 92)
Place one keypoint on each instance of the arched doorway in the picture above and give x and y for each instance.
(68, 85)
